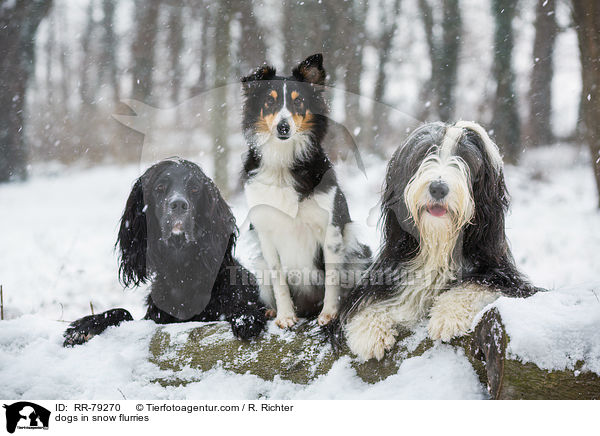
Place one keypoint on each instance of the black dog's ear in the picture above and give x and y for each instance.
(311, 70)
(265, 72)
(218, 217)
(132, 238)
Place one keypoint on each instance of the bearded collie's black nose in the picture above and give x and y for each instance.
(438, 189)
(283, 129)
(179, 205)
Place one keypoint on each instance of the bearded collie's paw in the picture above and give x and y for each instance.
(454, 311)
(370, 334)
(447, 327)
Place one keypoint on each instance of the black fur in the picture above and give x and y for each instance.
(196, 263)
(485, 252)
(311, 171)
(316, 170)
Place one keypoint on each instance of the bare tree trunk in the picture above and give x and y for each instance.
(354, 68)
(448, 65)
(175, 46)
(142, 49)
(203, 50)
(109, 48)
(18, 26)
(86, 90)
(252, 49)
(444, 50)
(539, 128)
(506, 123)
(220, 109)
(288, 24)
(427, 92)
(586, 15)
(389, 20)
(65, 79)
(49, 53)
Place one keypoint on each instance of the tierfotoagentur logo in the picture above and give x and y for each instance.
(26, 416)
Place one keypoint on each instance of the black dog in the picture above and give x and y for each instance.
(178, 232)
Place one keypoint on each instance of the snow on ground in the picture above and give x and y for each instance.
(56, 255)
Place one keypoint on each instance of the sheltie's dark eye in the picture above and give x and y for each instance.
(269, 100)
(298, 102)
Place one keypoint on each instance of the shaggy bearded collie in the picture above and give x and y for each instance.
(445, 255)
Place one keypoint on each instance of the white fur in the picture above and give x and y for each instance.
(290, 231)
(277, 156)
(490, 147)
(284, 114)
(453, 312)
(333, 257)
(371, 331)
(452, 170)
(453, 135)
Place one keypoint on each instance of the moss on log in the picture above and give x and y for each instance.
(303, 354)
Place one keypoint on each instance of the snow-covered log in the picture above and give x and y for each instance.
(508, 378)
(303, 354)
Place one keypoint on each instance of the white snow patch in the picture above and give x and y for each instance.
(554, 329)
(57, 256)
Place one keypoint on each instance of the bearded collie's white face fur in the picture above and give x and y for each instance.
(443, 214)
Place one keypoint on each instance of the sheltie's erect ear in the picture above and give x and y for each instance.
(311, 70)
(266, 72)
(132, 239)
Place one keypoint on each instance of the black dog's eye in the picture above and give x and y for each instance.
(194, 189)
(160, 187)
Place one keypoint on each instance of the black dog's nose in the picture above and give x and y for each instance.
(438, 189)
(179, 205)
(283, 128)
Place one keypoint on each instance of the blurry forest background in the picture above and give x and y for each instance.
(527, 69)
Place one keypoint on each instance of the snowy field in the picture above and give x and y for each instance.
(56, 256)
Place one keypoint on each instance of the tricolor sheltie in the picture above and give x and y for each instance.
(445, 255)
(309, 254)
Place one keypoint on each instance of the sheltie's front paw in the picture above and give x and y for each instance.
(327, 316)
(285, 321)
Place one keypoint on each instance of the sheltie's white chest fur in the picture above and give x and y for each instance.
(297, 229)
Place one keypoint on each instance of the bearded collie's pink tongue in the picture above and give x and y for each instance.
(437, 210)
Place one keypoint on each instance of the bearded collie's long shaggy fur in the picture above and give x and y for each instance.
(308, 255)
(445, 253)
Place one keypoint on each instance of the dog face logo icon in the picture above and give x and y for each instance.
(26, 415)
